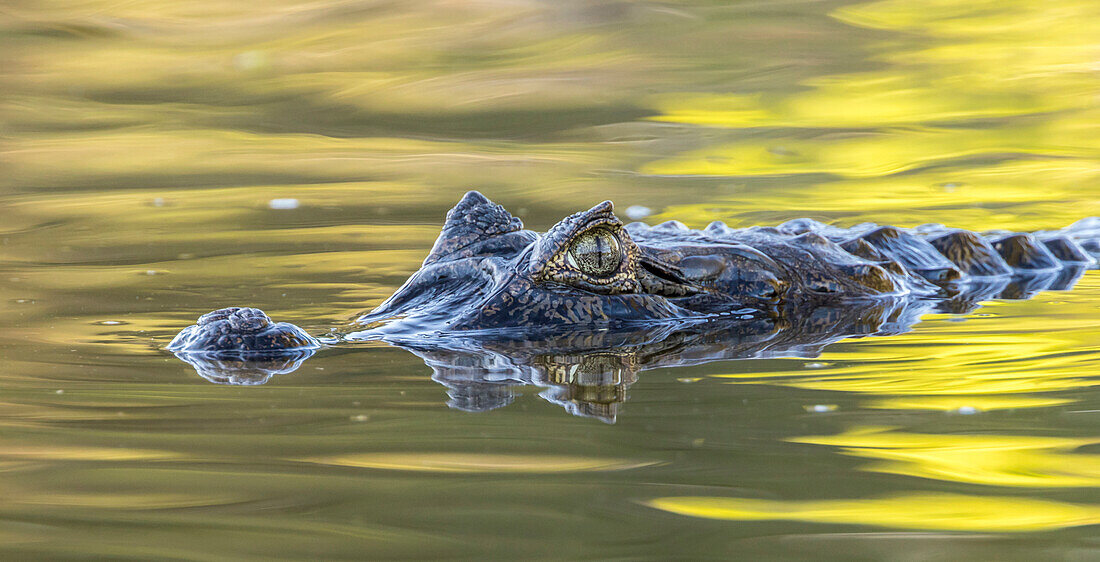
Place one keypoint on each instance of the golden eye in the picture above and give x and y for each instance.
(596, 252)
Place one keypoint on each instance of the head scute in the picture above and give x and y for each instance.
(588, 250)
(561, 235)
(474, 219)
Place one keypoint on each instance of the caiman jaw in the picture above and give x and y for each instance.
(666, 280)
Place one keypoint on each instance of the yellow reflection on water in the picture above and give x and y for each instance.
(73, 453)
(1011, 354)
(888, 152)
(481, 463)
(968, 402)
(979, 106)
(944, 512)
(964, 60)
(1023, 194)
(993, 460)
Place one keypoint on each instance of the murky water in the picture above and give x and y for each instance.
(160, 160)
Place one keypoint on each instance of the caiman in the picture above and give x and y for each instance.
(488, 278)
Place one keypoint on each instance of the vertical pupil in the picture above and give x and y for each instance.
(596, 252)
(599, 251)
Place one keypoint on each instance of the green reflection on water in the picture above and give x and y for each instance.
(142, 143)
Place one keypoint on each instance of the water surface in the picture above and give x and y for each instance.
(143, 145)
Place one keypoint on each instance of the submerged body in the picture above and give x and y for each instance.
(487, 275)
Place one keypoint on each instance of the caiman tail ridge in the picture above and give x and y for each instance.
(487, 276)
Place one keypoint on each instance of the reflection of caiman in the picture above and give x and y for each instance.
(490, 289)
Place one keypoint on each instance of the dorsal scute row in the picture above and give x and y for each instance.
(931, 252)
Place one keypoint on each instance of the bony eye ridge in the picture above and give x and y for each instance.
(596, 252)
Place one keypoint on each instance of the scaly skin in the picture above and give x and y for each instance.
(489, 277)
(228, 331)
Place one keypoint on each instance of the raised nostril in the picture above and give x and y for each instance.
(214, 316)
(248, 320)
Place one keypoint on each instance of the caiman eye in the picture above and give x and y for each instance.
(596, 252)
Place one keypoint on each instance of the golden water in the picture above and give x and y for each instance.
(140, 146)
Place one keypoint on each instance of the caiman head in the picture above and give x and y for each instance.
(486, 272)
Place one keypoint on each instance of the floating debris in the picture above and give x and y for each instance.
(638, 212)
(820, 408)
(281, 204)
